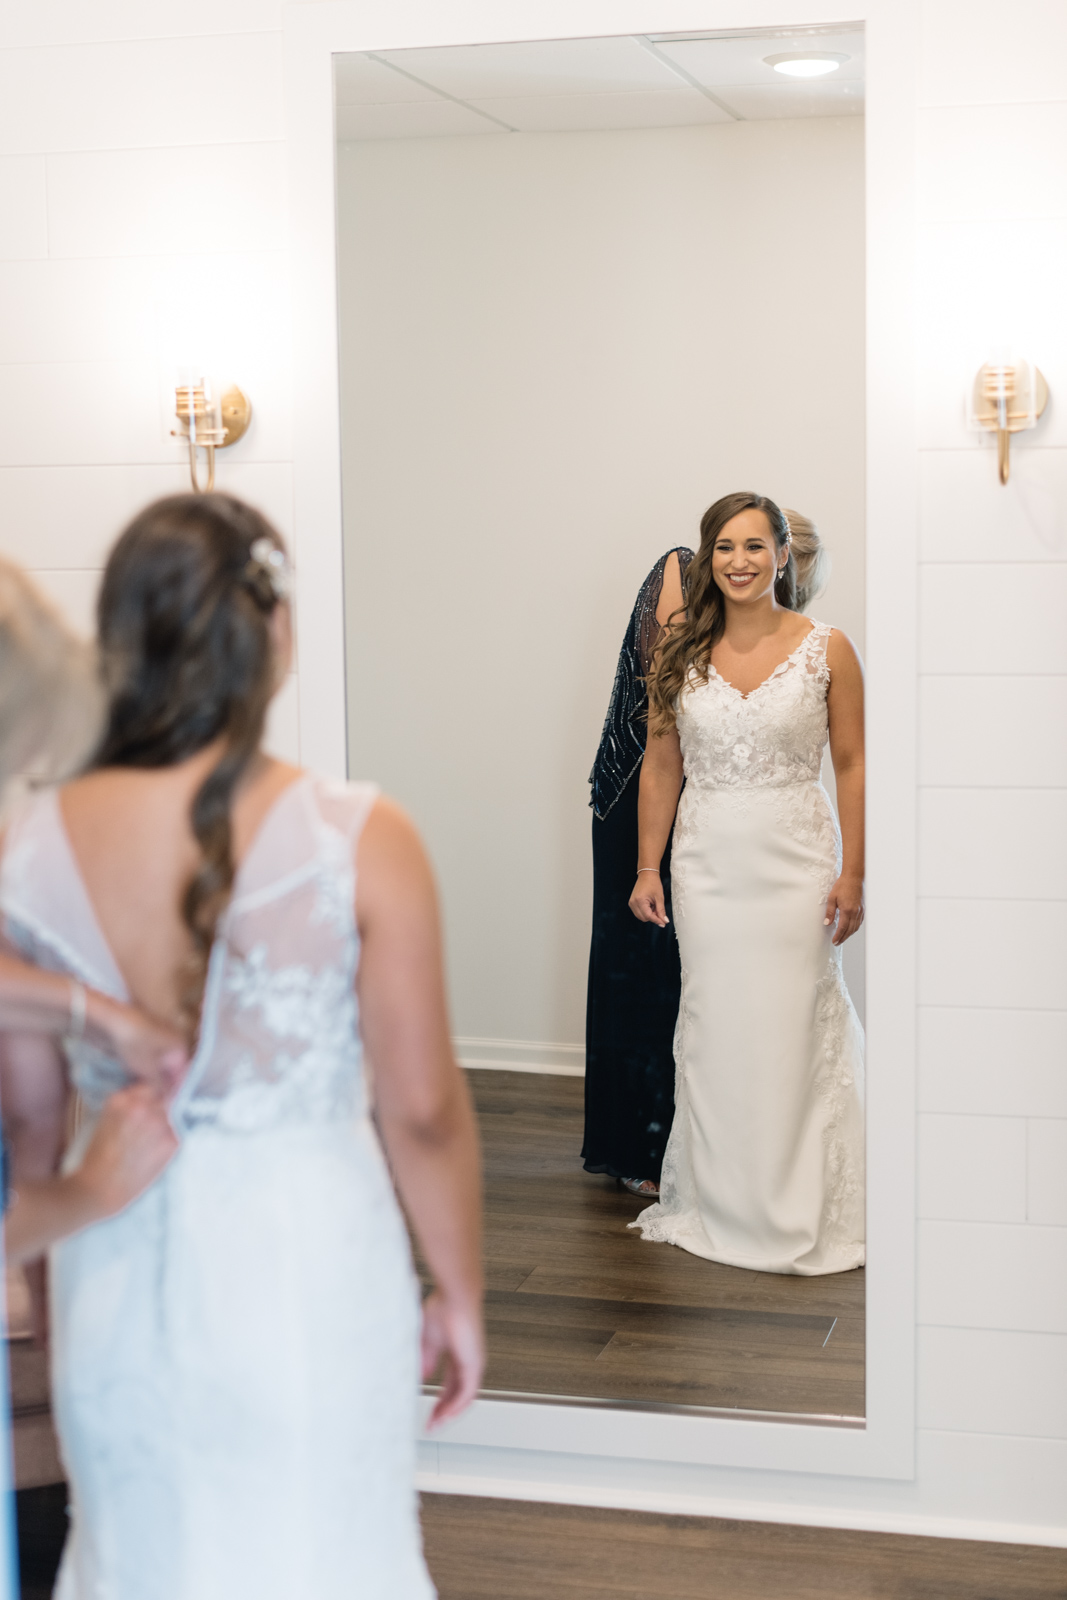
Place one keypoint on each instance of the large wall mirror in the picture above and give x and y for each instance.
(586, 288)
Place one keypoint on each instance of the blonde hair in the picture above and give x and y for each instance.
(809, 555)
(50, 698)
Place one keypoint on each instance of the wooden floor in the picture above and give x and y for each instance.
(491, 1549)
(580, 1306)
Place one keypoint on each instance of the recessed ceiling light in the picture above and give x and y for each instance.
(806, 64)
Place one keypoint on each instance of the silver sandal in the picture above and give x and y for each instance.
(643, 1188)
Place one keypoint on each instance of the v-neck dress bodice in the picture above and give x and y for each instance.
(764, 1165)
(235, 1356)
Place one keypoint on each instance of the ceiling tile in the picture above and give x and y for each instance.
(572, 113)
(723, 61)
(560, 66)
(765, 102)
(359, 80)
(414, 120)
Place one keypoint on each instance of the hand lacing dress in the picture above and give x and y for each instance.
(764, 1166)
(235, 1356)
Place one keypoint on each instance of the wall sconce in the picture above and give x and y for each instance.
(1008, 396)
(209, 423)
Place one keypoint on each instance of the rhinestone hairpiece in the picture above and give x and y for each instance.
(267, 561)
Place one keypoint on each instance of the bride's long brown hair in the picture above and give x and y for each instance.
(684, 653)
(186, 654)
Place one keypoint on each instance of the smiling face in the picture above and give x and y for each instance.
(746, 559)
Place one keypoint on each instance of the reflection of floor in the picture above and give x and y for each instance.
(577, 1305)
(482, 1549)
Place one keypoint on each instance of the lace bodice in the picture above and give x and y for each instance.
(772, 737)
(279, 1038)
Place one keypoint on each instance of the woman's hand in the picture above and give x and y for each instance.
(153, 1052)
(131, 1144)
(647, 901)
(845, 902)
(452, 1335)
(129, 1148)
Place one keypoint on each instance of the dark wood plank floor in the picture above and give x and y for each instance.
(578, 1305)
(490, 1549)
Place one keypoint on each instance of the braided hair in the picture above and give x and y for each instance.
(187, 659)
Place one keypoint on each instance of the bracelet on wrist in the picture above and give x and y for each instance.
(649, 869)
(78, 1010)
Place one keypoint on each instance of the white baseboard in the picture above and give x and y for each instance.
(522, 1055)
(692, 1505)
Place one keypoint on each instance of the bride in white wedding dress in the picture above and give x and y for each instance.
(764, 1165)
(236, 1356)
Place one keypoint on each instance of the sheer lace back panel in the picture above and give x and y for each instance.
(279, 1038)
(773, 736)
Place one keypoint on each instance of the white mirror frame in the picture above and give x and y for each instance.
(885, 1446)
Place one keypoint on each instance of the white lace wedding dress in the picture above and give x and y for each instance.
(764, 1165)
(235, 1362)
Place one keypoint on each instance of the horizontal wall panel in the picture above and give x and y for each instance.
(992, 1063)
(963, 316)
(55, 22)
(74, 592)
(993, 1275)
(207, 199)
(1047, 1172)
(972, 1169)
(126, 308)
(965, 515)
(93, 411)
(221, 89)
(992, 953)
(968, 162)
(23, 208)
(959, 745)
(57, 517)
(993, 843)
(972, 620)
(980, 1380)
(968, 58)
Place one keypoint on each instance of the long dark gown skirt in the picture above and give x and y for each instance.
(634, 991)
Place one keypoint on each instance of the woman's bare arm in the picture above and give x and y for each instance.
(844, 704)
(131, 1144)
(33, 1105)
(657, 802)
(671, 599)
(421, 1097)
(35, 1001)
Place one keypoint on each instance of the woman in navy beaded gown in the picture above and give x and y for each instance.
(634, 973)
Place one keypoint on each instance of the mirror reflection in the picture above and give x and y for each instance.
(602, 328)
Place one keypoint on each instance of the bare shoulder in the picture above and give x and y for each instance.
(392, 866)
(671, 598)
(842, 655)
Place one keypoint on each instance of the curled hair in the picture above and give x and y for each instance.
(810, 557)
(684, 656)
(187, 659)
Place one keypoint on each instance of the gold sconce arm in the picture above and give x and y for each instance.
(1008, 397)
(209, 424)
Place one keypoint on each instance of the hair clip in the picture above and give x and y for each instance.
(267, 561)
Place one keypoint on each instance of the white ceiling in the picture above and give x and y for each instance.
(563, 85)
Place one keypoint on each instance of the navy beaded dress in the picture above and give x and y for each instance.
(634, 972)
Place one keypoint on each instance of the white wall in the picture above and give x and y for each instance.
(557, 350)
(93, 97)
(142, 225)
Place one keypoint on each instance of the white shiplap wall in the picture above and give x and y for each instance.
(142, 226)
(142, 156)
(993, 765)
